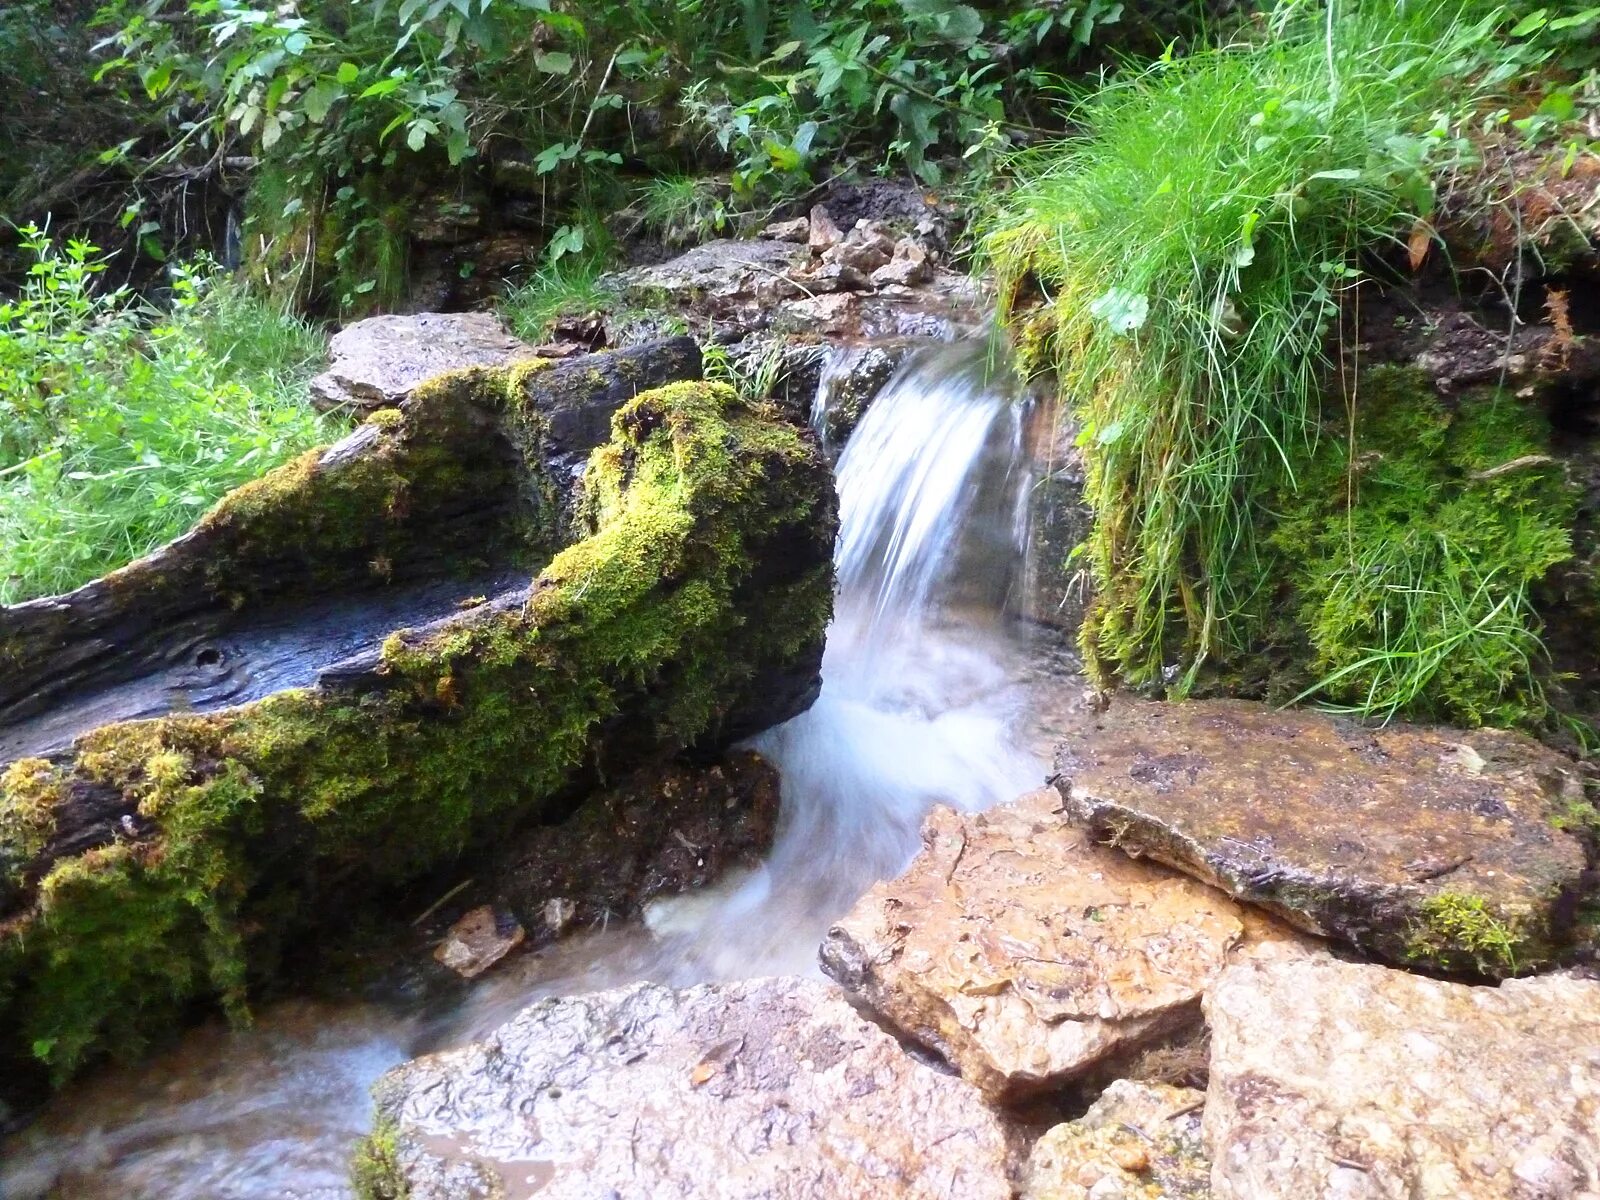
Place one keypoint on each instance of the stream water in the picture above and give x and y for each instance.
(923, 702)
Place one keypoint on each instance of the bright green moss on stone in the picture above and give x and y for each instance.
(256, 823)
(1414, 546)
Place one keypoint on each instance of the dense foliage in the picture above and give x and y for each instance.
(120, 424)
(1182, 264)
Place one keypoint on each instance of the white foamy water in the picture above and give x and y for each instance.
(921, 704)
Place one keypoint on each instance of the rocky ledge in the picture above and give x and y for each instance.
(1448, 849)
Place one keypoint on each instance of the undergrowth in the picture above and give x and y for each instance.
(568, 287)
(120, 425)
(1180, 264)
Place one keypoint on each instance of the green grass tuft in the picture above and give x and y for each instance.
(1180, 265)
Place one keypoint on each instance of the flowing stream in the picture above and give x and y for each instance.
(924, 699)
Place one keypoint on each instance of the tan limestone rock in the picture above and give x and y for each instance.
(377, 362)
(769, 1089)
(1340, 1081)
(1139, 1141)
(1026, 954)
(1428, 846)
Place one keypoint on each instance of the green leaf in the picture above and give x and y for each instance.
(1122, 310)
(382, 88)
(1531, 23)
(348, 73)
(553, 62)
(416, 136)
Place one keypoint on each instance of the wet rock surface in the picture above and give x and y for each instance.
(1027, 955)
(1331, 1079)
(377, 362)
(1424, 846)
(1138, 1141)
(770, 1088)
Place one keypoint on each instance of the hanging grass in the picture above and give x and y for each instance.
(1179, 264)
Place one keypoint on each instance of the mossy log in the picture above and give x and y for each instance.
(147, 866)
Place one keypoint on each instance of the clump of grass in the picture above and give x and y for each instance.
(684, 209)
(120, 425)
(1180, 265)
(568, 287)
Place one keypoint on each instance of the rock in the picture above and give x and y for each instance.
(908, 266)
(773, 1089)
(1428, 846)
(376, 363)
(479, 940)
(822, 234)
(1027, 955)
(1057, 590)
(381, 727)
(834, 275)
(729, 283)
(797, 230)
(1137, 1140)
(865, 249)
(850, 381)
(1338, 1081)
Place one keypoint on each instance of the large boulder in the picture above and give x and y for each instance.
(1432, 847)
(1027, 955)
(1338, 1081)
(772, 1089)
(378, 362)
(149, 864)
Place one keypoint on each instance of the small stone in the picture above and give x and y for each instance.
(1131, 1158)
(1109, 1188)
(477, 941)
(908, 266)
(822, 233)
(797, 230)
(558, 914)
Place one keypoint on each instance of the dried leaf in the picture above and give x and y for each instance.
(1417, 244)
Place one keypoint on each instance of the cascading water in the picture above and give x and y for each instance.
(921, 704)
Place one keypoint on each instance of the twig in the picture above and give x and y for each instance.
(442, 900)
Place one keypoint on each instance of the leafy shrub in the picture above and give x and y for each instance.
(119, 425)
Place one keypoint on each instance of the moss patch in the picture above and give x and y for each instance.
(375, 1166)
(1414, 544)
(705, 566)
(1463, 932)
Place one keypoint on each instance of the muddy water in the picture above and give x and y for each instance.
(924, 701)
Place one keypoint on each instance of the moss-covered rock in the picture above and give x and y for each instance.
(703, 583)
(1414, 542)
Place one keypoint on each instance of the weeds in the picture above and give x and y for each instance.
(683, 209)
(567, 287)
(1181, 265)
(119, 426)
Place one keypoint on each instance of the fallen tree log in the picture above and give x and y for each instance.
(148, 865)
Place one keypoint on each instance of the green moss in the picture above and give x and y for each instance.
(1413, 545)
(29, 790)
(375, 1166)
(1461, 932)
(267, 817)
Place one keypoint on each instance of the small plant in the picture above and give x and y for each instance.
(567, 287)
(120, 425)
(684, 209)
(1454, 925)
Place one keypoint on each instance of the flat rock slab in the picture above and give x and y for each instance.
(376, 363)
(773, 1089)
(1138, 1141)
(1427, 846)
(1026, 954)
(1337, 1080)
